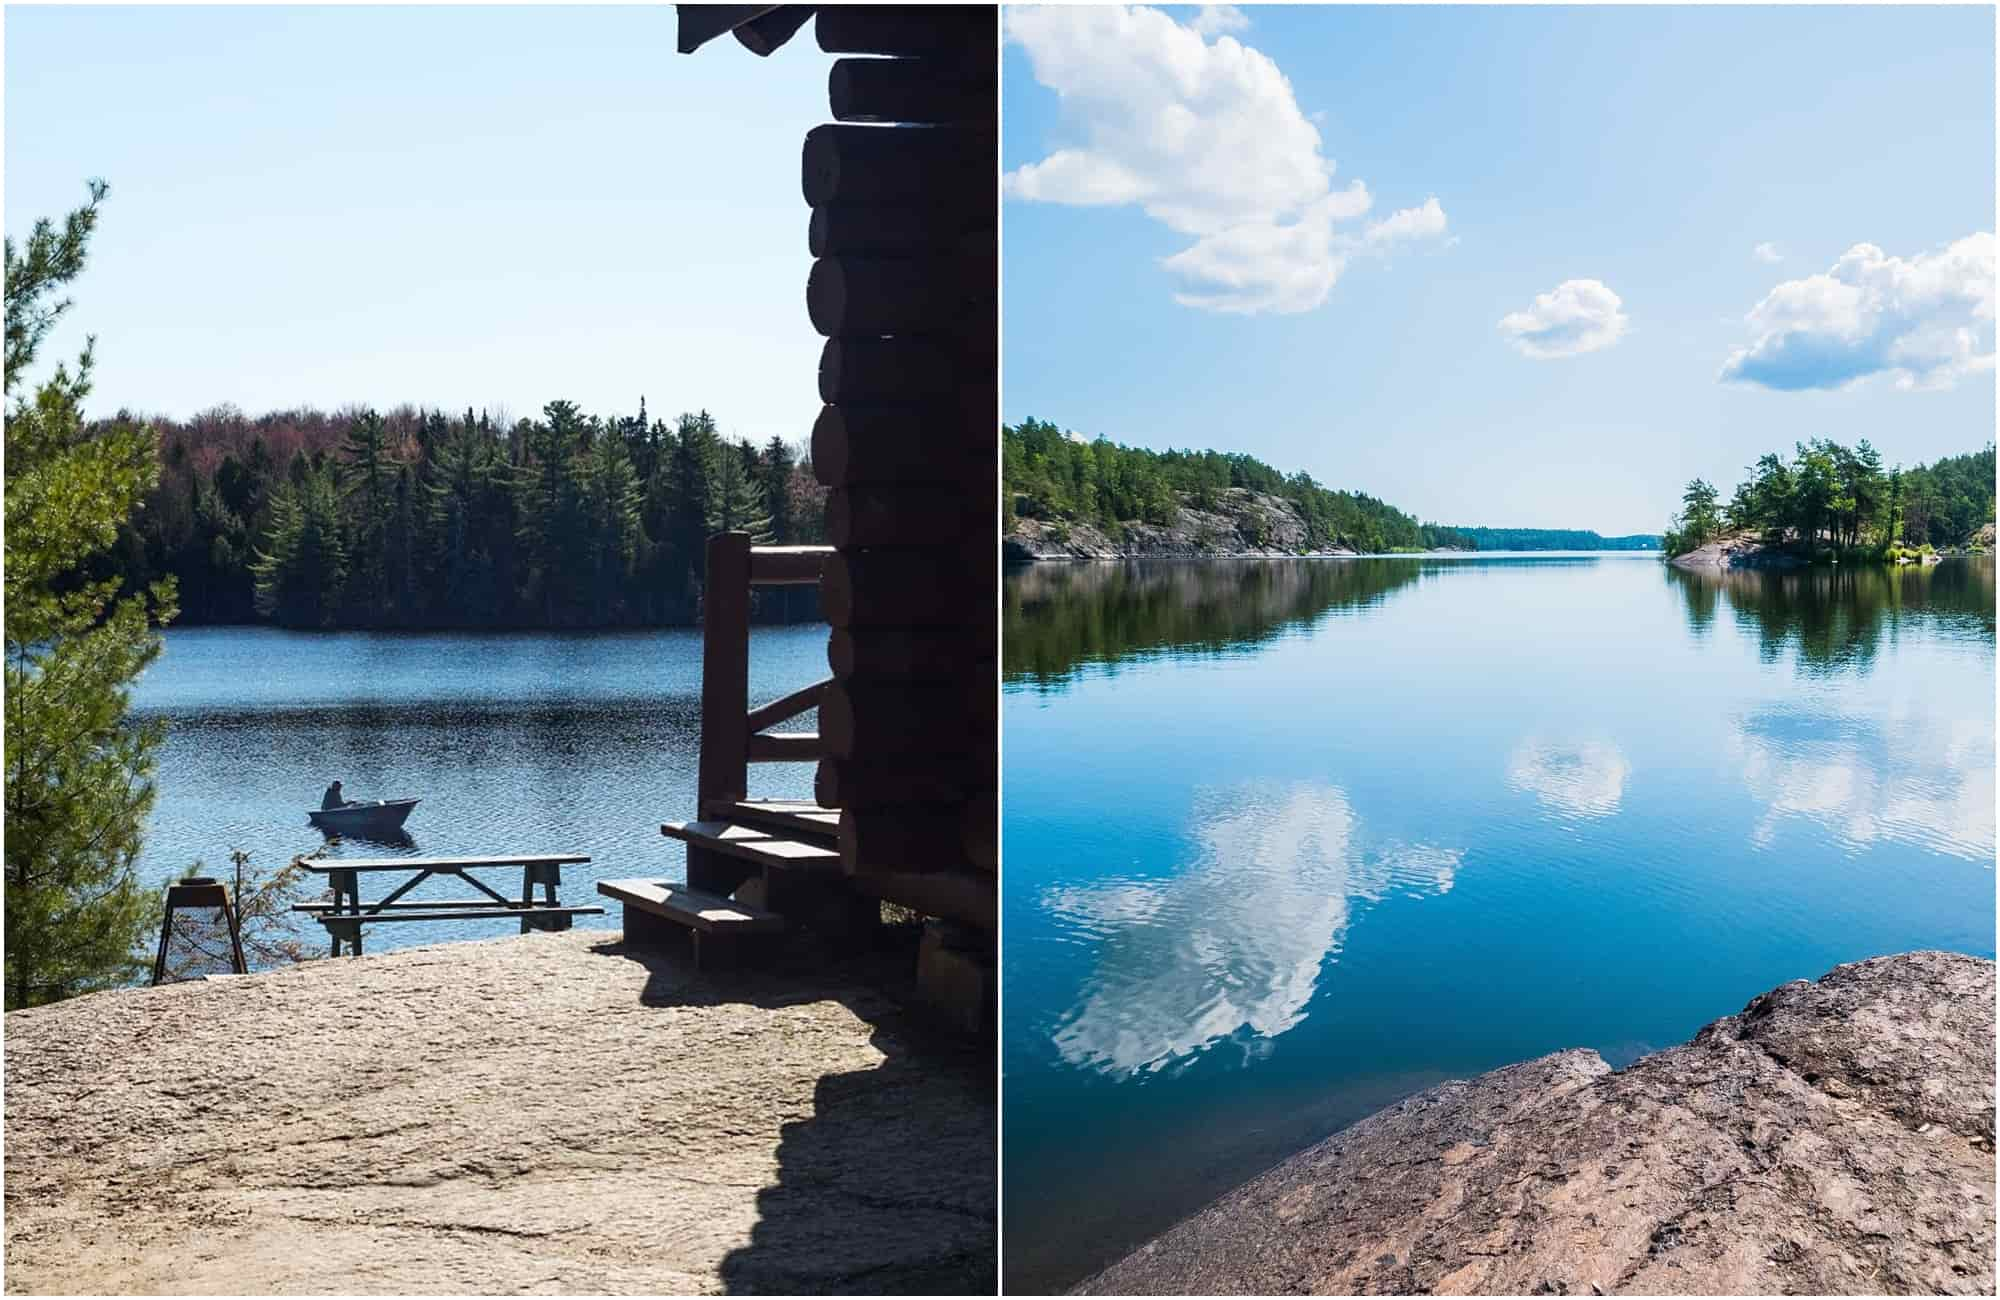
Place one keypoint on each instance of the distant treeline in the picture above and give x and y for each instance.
(419, 519)
(1046, 474)
(1556, 539)
(1833, 498)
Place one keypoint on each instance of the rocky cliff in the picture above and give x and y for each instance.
(1832, 1137)
(1244, 523)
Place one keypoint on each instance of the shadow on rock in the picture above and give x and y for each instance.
(888, 1185)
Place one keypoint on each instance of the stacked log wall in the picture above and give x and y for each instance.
(904, 289)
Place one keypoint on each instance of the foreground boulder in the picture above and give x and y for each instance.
(1832, 1137)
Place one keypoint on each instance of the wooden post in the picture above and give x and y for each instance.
(724, 771)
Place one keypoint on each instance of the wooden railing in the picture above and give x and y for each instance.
(733, 735)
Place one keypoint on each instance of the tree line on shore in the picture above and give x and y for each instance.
(414, 518)
(1832, 499)
(1048, 474)
(1557, 539)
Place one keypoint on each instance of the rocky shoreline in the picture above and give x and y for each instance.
(1747, 550)
(1739, 551)
(1246, 525)
(1833, 1137)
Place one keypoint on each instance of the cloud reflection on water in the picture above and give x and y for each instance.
(1912, 778)
(1231, 948)
(1578, 778)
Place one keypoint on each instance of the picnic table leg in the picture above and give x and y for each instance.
(527, 893)
(347, 885)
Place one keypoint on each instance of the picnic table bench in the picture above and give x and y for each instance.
(345, 916)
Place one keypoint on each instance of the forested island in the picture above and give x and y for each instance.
(413, 518)
(1061, 494)
(1831, 502)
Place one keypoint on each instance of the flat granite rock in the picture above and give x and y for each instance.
(1832, 1137)
(552, 1113)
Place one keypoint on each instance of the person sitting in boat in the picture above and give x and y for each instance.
(333, 798)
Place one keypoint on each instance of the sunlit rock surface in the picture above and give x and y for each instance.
(1739, 551)
(1832, 1137)
(552, 1113)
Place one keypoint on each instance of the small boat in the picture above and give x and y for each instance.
(372, 819)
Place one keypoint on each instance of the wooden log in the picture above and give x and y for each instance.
(722, 769)
(872, 296)
(763, 34)
(910, 31)
(725, 668)
(939, 167)
(981, 694)
(969, 896)
(860, 719)
(785, 747)
(937, 442)
(699, 24)
(915, 837)
(980, 831)
(888, 783)
(879, 370)
(910, 587)
(907, 654)
(786, 707)
(904, 514)
(839, 229)
(932, 91)
(787, 566)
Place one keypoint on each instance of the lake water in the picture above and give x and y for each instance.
(1288, 840)
(516, 743)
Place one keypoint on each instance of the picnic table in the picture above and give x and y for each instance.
(345, 916)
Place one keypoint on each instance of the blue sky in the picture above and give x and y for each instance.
(1604, 179)
(452, 206)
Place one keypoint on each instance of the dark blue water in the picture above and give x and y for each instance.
(515, 743)
(1288, 840)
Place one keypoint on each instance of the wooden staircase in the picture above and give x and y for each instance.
(655, 908)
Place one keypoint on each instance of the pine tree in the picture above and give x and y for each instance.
(366, 479)
(612, 509)
(774, 478)
(697, 453)
(735, 503)
(79, 770)
(302, 572)
(551, 510)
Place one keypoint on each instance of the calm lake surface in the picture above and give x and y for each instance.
(516, 743)
(1288, 840)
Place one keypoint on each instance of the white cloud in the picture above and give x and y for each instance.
(1576, 778)
(1214, 20)
(1207, 137)
(1578, 316)
(1768, 252)
(1425, 222)
(1927, 321)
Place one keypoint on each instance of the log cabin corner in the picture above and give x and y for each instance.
(901, 187)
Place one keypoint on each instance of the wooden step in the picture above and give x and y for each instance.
(707, 913)
(800, 818)
(754, 844)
